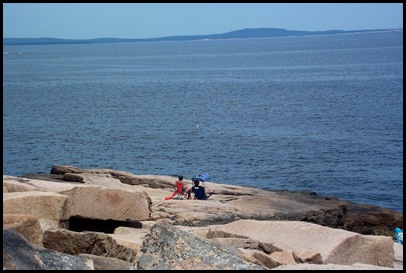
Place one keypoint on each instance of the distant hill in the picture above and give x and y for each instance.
(238, 34)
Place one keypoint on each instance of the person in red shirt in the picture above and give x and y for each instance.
(181, 188)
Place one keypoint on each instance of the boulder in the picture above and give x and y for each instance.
(26, 225)
(166, 247)
(73, 177)
(105, 263)
(270, 261)
(282, 258)
(129, 237)
(71, 173)
(13, 185)
(258, 257)
(95, 243)
(371, 219)
(244, 243)
(51, 209)
(398, 248)
(41, 185)
(62, 169)
(19, 254)
(103, 203)
(334, 245)
(309, 257)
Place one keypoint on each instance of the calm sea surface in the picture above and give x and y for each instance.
(320, 113)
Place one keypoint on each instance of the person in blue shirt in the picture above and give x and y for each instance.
(200, 192)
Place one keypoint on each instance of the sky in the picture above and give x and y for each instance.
(153, 20)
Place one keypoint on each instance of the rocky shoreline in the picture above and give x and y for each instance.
(132, 213)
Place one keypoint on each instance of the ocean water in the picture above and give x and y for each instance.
(317, 113)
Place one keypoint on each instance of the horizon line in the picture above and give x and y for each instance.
(172, 36)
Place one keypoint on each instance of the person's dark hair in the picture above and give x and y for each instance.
(180, 177)
(196, 183)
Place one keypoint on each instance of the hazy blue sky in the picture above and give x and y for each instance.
(126, 20)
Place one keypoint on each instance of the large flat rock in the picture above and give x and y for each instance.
(230, 202)
(334, 245)
(104, 203)
(50, 208)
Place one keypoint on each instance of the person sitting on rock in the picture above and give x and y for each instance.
(181, 188)
(200, 192)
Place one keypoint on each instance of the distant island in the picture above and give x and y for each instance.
(238, 34)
